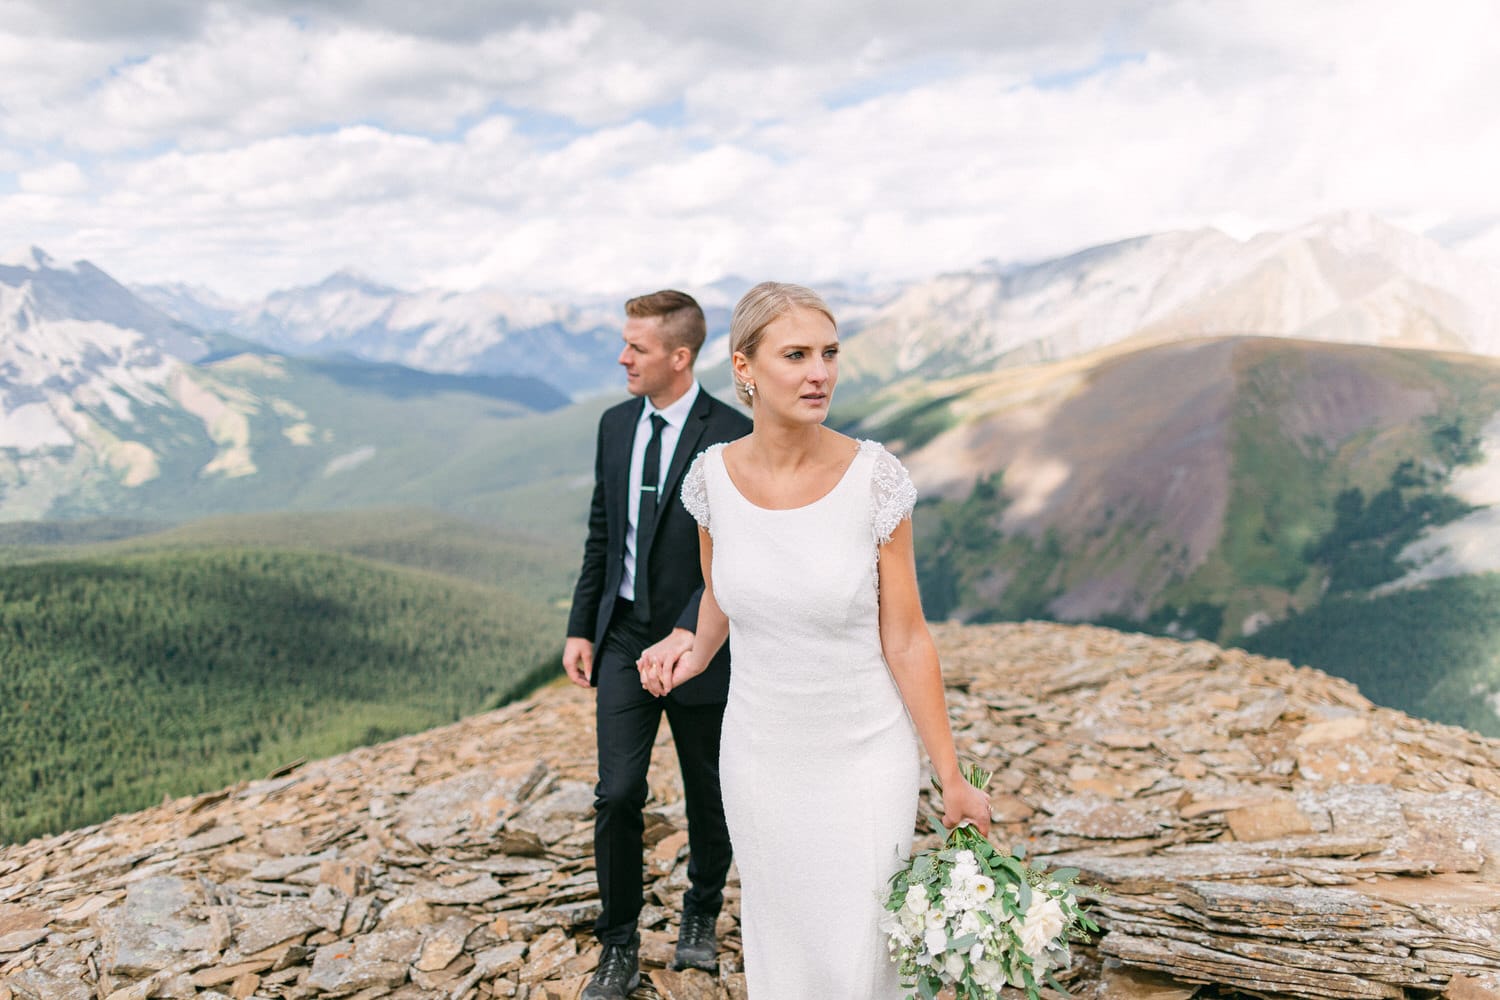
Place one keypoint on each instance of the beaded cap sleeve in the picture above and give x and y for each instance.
(892, 494)
(695, 487)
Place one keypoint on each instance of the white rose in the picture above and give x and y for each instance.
(1044, 922)
(988, 974)
(916, 899)
(912, 923)
(936, 940)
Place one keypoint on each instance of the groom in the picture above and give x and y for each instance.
(641, 579)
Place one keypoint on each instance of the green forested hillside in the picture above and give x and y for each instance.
(540, 568)
(1433, 651)
(125, 677)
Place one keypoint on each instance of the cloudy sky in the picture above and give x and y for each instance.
(628, 144)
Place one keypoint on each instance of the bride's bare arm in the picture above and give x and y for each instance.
(913, 659)
(668, 663)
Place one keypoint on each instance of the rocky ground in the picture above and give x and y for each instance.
(1260, 831)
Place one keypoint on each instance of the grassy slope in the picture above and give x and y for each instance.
(369, 444)
(1282, 497)
(184, 660)
(1283, 487)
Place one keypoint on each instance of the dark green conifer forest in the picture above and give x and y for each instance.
(125, 677)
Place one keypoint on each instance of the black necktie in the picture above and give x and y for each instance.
(645, 521)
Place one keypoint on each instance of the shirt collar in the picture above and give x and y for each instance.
(677, 413)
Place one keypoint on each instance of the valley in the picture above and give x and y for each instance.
(1287, 443)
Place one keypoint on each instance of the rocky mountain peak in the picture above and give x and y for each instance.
(1260, 830)
(36, 290)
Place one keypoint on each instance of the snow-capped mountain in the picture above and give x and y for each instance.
(108, 404)
(1345, 278)
(569, 343)
(486, 332)
(76, 345)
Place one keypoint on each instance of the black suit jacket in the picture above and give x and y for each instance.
(672, 565)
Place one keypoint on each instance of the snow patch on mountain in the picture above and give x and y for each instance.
(349, 460)
(33, 427)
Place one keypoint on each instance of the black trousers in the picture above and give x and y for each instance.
(628, 719)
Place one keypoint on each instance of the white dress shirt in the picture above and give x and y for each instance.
(675, 415)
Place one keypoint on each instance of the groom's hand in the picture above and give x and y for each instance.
(656, 662)
(578, 660)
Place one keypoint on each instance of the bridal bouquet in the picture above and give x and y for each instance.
(976, 918)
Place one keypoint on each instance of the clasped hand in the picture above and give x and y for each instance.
(668, 663)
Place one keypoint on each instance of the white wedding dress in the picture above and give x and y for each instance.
(819, 757)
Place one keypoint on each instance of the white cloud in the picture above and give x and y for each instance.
(633, 143)
(57, 179)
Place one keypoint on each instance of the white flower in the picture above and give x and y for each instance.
(988, 974)
(1044, 922)
(936, 940)
(982, 888)
(894, 926)
(916, 899)
(912, 923)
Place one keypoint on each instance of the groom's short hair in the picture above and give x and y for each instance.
(682, 323)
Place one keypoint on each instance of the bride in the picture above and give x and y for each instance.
(808, 569)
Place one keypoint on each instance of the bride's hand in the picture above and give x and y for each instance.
(688, 666)
(657, 662)
(660, 679)
(963, 803)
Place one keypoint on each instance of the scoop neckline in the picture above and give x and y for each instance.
(859, 450)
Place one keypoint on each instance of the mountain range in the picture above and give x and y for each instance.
(570, 344)
(1346, 278)
(1184, 432)
(109, 405)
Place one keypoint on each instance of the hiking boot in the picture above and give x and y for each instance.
(697, 947)
(618, 975)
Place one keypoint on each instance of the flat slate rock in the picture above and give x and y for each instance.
(1259, 831)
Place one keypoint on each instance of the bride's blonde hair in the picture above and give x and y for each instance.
(759, 308)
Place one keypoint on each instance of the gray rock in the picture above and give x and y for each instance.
(262, 927)
(153, 928)
(341, 968)
(37, 984)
